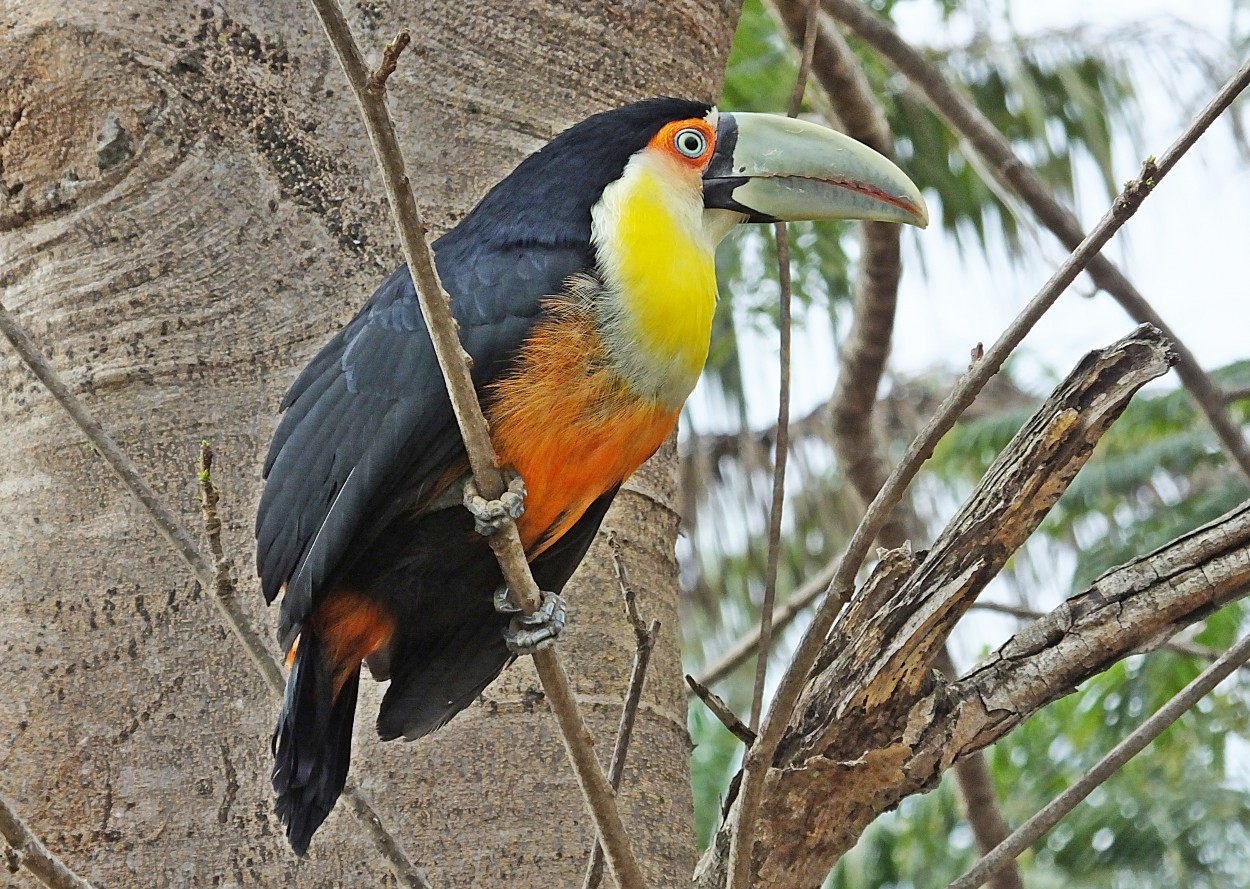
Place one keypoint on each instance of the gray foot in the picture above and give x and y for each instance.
(530, 633)
(491, 515)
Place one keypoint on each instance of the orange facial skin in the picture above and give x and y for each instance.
(666, 141)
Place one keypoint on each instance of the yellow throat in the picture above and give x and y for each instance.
(657, 254)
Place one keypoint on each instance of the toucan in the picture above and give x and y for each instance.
(584, 286)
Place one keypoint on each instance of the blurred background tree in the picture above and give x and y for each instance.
(1075, 102)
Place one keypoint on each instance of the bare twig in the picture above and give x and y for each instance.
(452, 360)
(25, 850)
(406, 873)
(167, 523)
(862, 356)
(781, 454)
(782, 451)
(390, 61)
(727, 717)
(209, 498)
(807, 49)
(1135, 743)
(644, 643)
(738, 654)
(206, 573)
(759, 757)
(965, 119)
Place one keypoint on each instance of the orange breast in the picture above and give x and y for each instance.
(566, 421)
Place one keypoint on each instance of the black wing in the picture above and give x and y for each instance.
(368, 423)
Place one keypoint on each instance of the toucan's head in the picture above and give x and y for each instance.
(743, 167)
(637, 199)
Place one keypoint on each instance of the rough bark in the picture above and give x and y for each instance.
(188, 209)
(875, 724)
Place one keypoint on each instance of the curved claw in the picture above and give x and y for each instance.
(530, 633)
(503, 600)
(489, 516)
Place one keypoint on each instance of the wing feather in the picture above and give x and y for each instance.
(368, 425)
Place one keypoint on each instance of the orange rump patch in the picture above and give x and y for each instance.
(351, 626)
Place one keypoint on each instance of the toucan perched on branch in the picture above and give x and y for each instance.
(584, 287)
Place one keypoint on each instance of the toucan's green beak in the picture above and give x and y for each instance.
(774, 168)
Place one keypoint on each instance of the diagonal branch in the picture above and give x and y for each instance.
(1175, 646)
(25, 850)
(1029, 832)
(878, 661)
(206, 572)
(370, 92)
(884, 646)
(645, 635)
(1012, 173)
(866, 772)
(759, 758)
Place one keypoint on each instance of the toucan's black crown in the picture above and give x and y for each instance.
(548, 197)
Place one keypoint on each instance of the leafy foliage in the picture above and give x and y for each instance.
(1180, 813)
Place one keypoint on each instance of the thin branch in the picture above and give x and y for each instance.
(206, 573)
(1135, 743)
(223, 586)
(390, 61)
(406, 873)
(26, 851)
(782, 451)
(1238, 393)
(644, 643)
(384, 842)
(722, 711)
(807, 49)
(167, 523)
(738, 653)
(454, 363)
(965, 119)
(862, 358)
(781, 455)
(759, 757)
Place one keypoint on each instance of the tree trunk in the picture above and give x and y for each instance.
(188, 209)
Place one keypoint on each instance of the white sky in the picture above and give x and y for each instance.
(1185, 250)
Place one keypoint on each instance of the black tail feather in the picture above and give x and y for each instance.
(431, 683)
(312, 743)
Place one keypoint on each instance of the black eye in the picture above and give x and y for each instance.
(690, 142)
